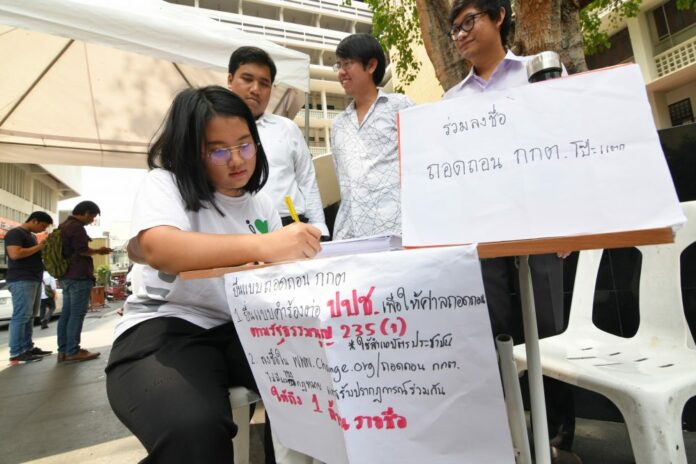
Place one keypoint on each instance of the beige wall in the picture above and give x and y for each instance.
(425, 88)
(680, 93)
(100, 260)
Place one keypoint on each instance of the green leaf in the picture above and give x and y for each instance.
(594, 38)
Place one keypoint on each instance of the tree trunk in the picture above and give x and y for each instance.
(537, 26)
(450, 67)
(572, 48)
(559, 30)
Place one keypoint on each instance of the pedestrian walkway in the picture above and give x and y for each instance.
(59, 413)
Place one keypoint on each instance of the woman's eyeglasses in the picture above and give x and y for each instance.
(222, 156)
(466, 25)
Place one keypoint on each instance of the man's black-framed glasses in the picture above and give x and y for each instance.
(223, 155)
(466, 25)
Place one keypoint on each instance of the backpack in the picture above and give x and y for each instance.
(52, 255)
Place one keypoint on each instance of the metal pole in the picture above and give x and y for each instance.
(306, 117)
(542, 449)
(513, 400)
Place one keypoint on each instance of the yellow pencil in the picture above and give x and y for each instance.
(291, 208)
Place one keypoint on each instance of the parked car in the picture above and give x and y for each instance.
(6, 303)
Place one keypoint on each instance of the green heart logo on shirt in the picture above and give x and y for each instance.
(261, 226)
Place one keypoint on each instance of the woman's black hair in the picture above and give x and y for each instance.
(178, 148)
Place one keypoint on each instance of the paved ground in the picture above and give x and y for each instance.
(58, 413)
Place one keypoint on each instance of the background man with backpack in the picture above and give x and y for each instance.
(77, 282)
(24, 275)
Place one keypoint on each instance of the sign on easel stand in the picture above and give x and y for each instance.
(376, 358)
(561, 165)
(571, 157)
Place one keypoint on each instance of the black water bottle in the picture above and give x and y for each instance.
(544, 66)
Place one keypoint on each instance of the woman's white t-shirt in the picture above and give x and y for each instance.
(200, 301)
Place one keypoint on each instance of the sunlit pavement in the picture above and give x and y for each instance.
(59, 413)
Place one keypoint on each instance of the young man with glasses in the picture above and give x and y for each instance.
(480, 31)
(364, 143)
(291, 171)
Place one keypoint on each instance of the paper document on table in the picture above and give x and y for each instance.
(356, 246)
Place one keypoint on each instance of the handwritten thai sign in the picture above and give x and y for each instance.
(384, 357)
(572, 156)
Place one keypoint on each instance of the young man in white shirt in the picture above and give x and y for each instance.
(291, 171)
(480, 30)
(364, 143)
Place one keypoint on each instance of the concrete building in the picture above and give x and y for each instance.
(25, 188)
(313, 27)
(662, 41)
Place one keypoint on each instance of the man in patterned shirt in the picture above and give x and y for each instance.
(364, 143)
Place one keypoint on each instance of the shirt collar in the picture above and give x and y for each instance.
(264, 119)
(509, 56)
(381, 95)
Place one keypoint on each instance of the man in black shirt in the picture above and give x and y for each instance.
(24, 275)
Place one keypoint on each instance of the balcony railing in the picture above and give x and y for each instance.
(318, 151)
(278, 31)
(357, 10)
(318, 114)
(676, 58)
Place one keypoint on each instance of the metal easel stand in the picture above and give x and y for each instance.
(513, 400)
(542, 449)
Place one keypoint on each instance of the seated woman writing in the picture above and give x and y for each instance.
(176, 351)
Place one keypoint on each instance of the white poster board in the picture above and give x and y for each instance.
(377, 358)
(573, 156)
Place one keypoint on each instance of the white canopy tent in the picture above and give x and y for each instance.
(88, 82)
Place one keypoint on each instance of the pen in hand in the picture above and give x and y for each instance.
(291, 209)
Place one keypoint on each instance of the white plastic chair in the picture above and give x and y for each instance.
(650, 376)
(241, 399)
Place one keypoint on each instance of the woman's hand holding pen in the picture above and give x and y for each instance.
(294, 241)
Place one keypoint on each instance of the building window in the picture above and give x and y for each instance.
(15, 181)
(669, 19)
(681, 112)
(620, 51)
(44, 196)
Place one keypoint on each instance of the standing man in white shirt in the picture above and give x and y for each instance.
(291, 171)
(480, 29)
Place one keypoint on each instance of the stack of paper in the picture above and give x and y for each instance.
(357, 246)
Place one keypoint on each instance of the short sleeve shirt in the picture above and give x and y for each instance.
(29, 268)
(201, 301)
